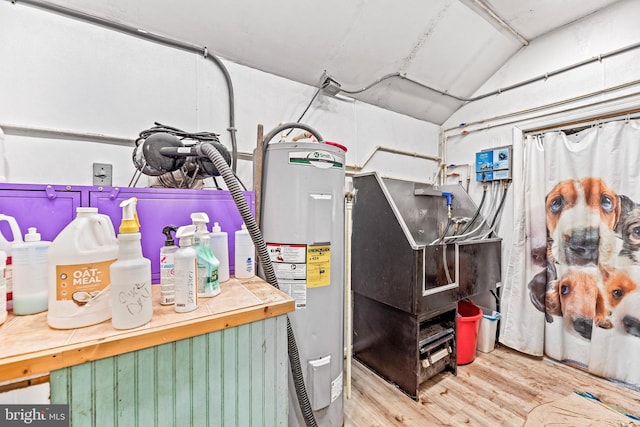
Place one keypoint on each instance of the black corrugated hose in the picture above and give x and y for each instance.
(261, 247)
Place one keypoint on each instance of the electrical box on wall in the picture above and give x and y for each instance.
(493, 164)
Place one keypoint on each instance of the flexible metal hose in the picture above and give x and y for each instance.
(263, 255)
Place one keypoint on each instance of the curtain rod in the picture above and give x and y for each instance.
(604, 118)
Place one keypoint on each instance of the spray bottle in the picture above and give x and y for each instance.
(208, 283)
(220, 247)
(186, 270)
(130, 274)
(167, 267)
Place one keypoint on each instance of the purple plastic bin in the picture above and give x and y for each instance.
(51, 207)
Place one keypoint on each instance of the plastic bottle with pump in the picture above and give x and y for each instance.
(245, 255)
(207, 274)
(167, 267)
(79, 275)
(186, 271)
(220, 247)
(3, 288)
(130, 275)
(30, 284)
(5, 246)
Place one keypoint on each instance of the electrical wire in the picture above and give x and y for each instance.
(313, 98)
(182, 135)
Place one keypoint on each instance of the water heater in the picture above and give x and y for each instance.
(302, 223)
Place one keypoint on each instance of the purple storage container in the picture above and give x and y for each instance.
(51, 207)
(158, 207)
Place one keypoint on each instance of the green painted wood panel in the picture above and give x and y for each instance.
(234, 377)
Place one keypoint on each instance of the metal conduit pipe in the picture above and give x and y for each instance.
(393, 151)
(553, 104)
(137, 32)
(541, 77)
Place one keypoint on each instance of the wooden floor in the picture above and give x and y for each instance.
(496, 389)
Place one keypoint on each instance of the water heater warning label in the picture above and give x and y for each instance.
(290, 266)
(299, 267)
(318, 266)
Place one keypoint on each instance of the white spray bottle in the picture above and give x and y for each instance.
(186, 271)
(130, 274)
(167, 267)
(207, 275)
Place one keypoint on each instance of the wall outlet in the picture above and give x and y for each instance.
(102, 174)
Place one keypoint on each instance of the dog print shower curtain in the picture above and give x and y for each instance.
(572, 285)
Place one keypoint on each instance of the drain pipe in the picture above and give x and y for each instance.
(137, 32)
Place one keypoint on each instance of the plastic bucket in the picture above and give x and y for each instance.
(487, 330)
(467, 322)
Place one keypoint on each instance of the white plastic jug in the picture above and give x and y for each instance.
(79, 278)
(6, 245)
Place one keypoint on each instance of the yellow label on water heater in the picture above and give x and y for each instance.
(81, 282)
(318, 266)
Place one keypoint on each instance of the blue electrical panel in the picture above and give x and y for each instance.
(493, 164)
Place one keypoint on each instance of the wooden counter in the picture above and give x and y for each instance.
(29, 346)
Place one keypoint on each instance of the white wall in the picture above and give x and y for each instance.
(65, 74)
(610, 29)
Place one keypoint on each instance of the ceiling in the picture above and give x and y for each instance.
(452, 46)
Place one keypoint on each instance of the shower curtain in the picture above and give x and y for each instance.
(572, 283)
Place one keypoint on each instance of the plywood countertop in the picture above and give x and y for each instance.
(28, 346)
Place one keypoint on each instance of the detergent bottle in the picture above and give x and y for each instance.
(5, 245)
(186, 271)
(30, 285)
(208, 282)
(220, 247)
(207, 264)
(131, 274)
(79, 275)
(167, 267)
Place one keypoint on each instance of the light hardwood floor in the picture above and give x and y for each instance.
(496, 389)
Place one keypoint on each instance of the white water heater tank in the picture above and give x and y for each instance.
(303, 225)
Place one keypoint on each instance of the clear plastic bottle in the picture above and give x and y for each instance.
(79, 275)
(208, 283)
(5, 245)
(3, 288)
(167, 267)
(220, 246)
(186, 271)
(30, 284)
(245, 255)
(130, 275)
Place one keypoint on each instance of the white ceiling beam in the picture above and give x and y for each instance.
(489, 13)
